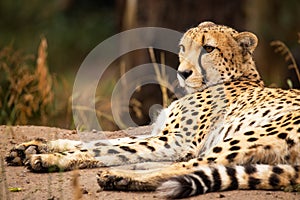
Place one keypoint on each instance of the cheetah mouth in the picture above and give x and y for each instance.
(190, 88)
(184, 85)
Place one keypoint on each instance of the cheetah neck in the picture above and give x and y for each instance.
(249, 73)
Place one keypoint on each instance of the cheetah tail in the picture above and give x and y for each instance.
(217, 178)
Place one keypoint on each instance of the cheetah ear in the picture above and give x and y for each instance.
(248, 41)
(206, 24)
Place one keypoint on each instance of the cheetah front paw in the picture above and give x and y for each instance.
(40, 163)
(19, 153)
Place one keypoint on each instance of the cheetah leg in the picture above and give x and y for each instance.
(138, 179)
(260, 177)
(156, 148)
(62, 161)
(104, 156)
(79, 159)
(19, 153)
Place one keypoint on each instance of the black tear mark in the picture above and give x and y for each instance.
(203, 71)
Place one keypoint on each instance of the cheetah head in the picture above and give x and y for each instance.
(211, 54)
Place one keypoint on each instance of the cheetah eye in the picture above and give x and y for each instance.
(181, 48)
(208, 48)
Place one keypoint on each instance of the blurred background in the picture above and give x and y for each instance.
(43, 43)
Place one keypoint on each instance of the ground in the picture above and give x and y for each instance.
(82, 183)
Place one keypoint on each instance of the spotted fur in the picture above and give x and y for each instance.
(230, 132)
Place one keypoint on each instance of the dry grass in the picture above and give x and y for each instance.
(281, 48)
(135, 105)
(76, 186)
(162, 77)
(25, 88)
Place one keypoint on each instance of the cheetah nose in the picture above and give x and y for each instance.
(185, 74)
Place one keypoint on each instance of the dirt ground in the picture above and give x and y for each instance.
(62, 185)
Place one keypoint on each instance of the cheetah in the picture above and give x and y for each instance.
(230, 132)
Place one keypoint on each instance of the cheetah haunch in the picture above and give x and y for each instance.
(230, 132)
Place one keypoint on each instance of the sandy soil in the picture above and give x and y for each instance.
(66, 186)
